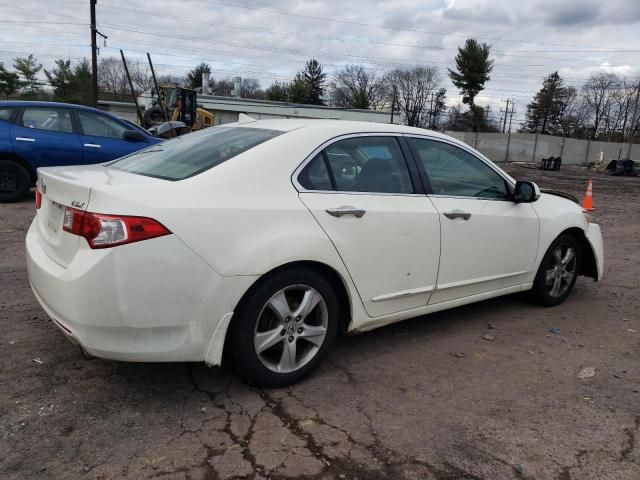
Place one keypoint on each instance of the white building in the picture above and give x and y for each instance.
(227, 109)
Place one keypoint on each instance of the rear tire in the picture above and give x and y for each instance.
(558, 271)
(284, 328)
(15, 181)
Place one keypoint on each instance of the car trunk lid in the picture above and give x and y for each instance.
(70, 187)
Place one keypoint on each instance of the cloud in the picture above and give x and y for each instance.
(271, 39)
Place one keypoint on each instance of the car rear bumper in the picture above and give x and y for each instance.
(148, 301)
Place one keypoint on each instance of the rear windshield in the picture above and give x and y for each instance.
(186, 156)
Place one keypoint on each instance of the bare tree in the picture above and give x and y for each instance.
(626, 102)
(354, 87)
(250, 88)
(412, 89)
(111, 76)
(598, 95)
(222, 87)
(140, 76)
(575, 115)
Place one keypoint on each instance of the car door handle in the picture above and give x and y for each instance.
(457, 214)
(346, 210)
(92, 145)
(25, 139)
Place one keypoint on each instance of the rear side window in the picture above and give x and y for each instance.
(5, 113)
(359, 164)
(51, 119)
(186, 156)
(315, 175)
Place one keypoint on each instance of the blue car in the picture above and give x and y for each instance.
(46, 134)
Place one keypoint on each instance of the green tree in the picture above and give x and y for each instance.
(314, 77)
(9, 82)
(299, 90)
(278, 92)
(546, 110)
(60, 78)
(28, 69)
(81, 83)
(194, 77)
(473, 67)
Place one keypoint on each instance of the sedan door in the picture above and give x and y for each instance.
(362, 193)
(103, 138)
(488, 241)
(45, 136)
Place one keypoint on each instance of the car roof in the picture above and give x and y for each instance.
(38, 103)
(333, 127)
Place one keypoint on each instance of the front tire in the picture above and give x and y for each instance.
(558, 271)
(284, 328)
(15, 181)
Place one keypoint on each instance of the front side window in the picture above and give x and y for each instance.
(51, 119)
(359, 164)
(189, 155)
(98, 125)
(453, 171)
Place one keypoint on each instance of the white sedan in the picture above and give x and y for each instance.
(260, 240)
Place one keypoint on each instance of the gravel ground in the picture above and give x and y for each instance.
(427, 398)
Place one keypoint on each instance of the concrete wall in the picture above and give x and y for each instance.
(499, 147)
(527, 147)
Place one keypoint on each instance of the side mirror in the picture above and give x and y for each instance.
(133, 136)
(526, 192)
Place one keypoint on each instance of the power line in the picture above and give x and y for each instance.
(595, 48)
(312, 35)
(38, 22)
(404, 29)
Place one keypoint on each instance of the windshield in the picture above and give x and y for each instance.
(186, 156)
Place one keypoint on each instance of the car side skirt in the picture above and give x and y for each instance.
(370, 324)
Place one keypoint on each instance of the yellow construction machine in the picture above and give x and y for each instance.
(176, 104)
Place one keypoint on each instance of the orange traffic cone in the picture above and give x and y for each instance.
(587, 200)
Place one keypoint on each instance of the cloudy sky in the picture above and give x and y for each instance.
(271, 40)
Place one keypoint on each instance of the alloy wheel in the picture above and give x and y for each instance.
(291, 328)
(561, 270)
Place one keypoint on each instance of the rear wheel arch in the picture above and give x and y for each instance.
(329, 273)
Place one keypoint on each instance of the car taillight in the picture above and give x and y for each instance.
(103, 231)
(38, 199)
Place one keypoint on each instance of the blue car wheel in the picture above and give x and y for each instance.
(15, 181)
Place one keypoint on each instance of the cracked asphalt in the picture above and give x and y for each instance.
(487, 391)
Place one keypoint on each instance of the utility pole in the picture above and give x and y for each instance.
(506, 112)
(94, 54)
(511, 115)
(431, 122)
(634, 121)
(393, 102)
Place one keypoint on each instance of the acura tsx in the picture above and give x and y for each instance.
(261, 240)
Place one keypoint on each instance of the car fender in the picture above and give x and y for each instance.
(558, 215)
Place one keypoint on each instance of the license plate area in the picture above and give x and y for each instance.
(54, 218)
